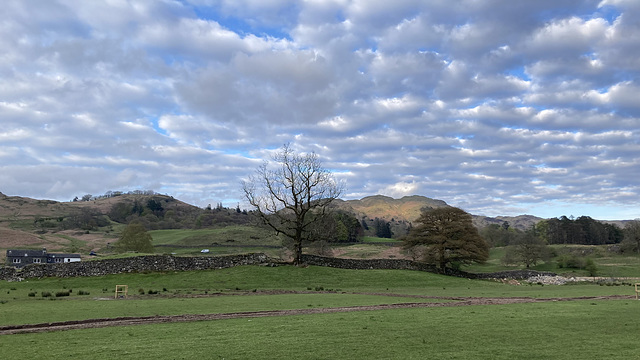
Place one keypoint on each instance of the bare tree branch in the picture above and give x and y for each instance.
(287, 194)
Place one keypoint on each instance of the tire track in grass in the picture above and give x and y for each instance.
(158, 319)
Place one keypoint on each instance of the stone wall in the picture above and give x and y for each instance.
(178, 263)
(413, 265)
(132, 264)
(395, 264)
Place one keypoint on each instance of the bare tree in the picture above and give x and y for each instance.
(292, 194)
(631, 240)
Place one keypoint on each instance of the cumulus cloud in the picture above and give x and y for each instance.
(500, 108)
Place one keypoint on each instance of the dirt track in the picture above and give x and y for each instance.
(127, 321)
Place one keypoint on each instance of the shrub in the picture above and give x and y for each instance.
(32, 294)
(62, 293)
(82, 292)
(571, 262)
(45, 294)
(152, 292)
(591, 267)
(141, 291)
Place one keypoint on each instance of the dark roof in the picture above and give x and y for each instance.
(31, 253)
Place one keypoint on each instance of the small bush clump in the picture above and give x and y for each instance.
(32, 294)
(82, 292)
(152, 292)
(62, 293)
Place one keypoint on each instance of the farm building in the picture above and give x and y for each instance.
(21, 258)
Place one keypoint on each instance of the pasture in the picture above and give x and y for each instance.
(590, 328)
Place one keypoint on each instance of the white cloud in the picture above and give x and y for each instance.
(496, 107)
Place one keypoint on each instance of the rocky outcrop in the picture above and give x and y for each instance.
(514, 274)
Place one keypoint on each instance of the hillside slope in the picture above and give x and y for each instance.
(406, 209)
(80, 226)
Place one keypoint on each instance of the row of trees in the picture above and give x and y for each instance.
(583, 230)
(110, 194)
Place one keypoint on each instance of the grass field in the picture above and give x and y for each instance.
(227, 240)
(371, 239)
(608, 264)
(577, 330)
(233, 235)
(591, 329)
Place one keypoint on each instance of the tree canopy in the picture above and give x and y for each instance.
(448, 238)
(526, 249)
(134, 238)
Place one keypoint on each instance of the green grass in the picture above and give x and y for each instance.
(74, 245)
(371, 239)
(237, 235)
(363, 250)
(247, 278)
(583, 329)
(608, 264)
(574, 330)
(42, 310)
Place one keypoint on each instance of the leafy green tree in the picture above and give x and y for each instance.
(155, 207)
(383, 228)
(448, 237)
(497, 236)
(591, 267)
(120, 212)
(364, 224)
(342, 233)
(134, 238)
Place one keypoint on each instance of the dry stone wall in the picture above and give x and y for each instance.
(132, 264)
(178, 263)
(395, 264)
(400, 264)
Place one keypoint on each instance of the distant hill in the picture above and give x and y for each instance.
(92, 224)
(16, 207)
(521, 222)
(407, 208)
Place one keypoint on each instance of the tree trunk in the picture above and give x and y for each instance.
(297, 260)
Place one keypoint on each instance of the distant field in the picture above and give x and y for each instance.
(219, 241)
(230, 235)
(608, 264)
(371, 239)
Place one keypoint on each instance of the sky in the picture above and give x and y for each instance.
(498, 107)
